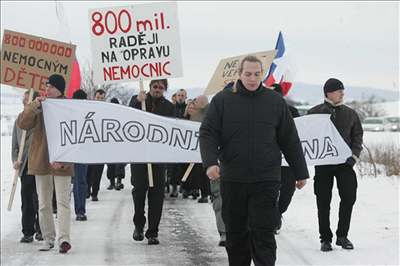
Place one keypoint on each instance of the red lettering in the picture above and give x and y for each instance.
(144, 74)
(6, 38)
(165, 68)
(97, 27)
(106, 74)
(115, 22)
(114, 72)
(128, 16)
(8, 70)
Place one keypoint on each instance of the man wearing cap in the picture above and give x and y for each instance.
(48, 174)
(348, 125)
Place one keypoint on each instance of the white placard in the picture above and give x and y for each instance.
(137, 42)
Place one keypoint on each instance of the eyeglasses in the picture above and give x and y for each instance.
(158, 87)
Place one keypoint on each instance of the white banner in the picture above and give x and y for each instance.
(320, 140)
(136, 42)
(82, 131)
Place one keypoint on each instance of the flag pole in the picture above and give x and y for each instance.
(20, 153)
(187, 173)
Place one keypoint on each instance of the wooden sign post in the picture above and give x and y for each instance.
(20, 153)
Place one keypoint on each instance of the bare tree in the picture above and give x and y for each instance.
(368, 107)
(87, 82)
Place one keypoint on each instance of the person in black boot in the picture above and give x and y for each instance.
(349, 126)
(29, 198)
(244, 131)
(156, 104)
(116, 171)
(288, 181)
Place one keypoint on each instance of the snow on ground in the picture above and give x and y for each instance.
(188, 235)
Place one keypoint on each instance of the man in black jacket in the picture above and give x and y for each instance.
(176, 171)
(288, 181)
(348, 125)
(241, 138)
(95, 171)
(156, 104)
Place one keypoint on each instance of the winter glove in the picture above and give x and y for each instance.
(350, 161)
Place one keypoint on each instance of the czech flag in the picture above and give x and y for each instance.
(279, 71)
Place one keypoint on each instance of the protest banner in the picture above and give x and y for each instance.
(138, 42)
(27, 61)
(99, 132)
(228, 70)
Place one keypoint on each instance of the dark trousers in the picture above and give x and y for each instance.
(155, 197)
(94, 174)
(288, 186)
(80, 188)
(250, 214)
(347, 186)
(115, 170)
(175, 173)
(205, 190)
(29, 205)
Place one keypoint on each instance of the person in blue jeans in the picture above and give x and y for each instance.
(79, 179)
(80, 188)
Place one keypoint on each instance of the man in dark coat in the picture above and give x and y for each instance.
(176, 171)
(95, 171)
(241, 138)
(156, 104)
(349, 126)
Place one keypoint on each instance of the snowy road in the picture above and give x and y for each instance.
(188, 233)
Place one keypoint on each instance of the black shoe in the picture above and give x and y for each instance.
(95, 198)
(88, 194)
(119, 185)
(222, 240)
(38, 236)
(64, 247)
(174, 193)
(153, 241)
(26, 239)
(344, 242)
(111, 187)
(185, 194)
(203, 200)
(81, 217)
(138, 235)
(195, 194)
(326, 246)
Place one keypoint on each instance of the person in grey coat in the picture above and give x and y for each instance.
(29, 198)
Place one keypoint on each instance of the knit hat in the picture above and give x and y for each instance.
(58, 82)
(332, 85)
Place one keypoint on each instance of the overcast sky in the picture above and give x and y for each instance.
(357, 42)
